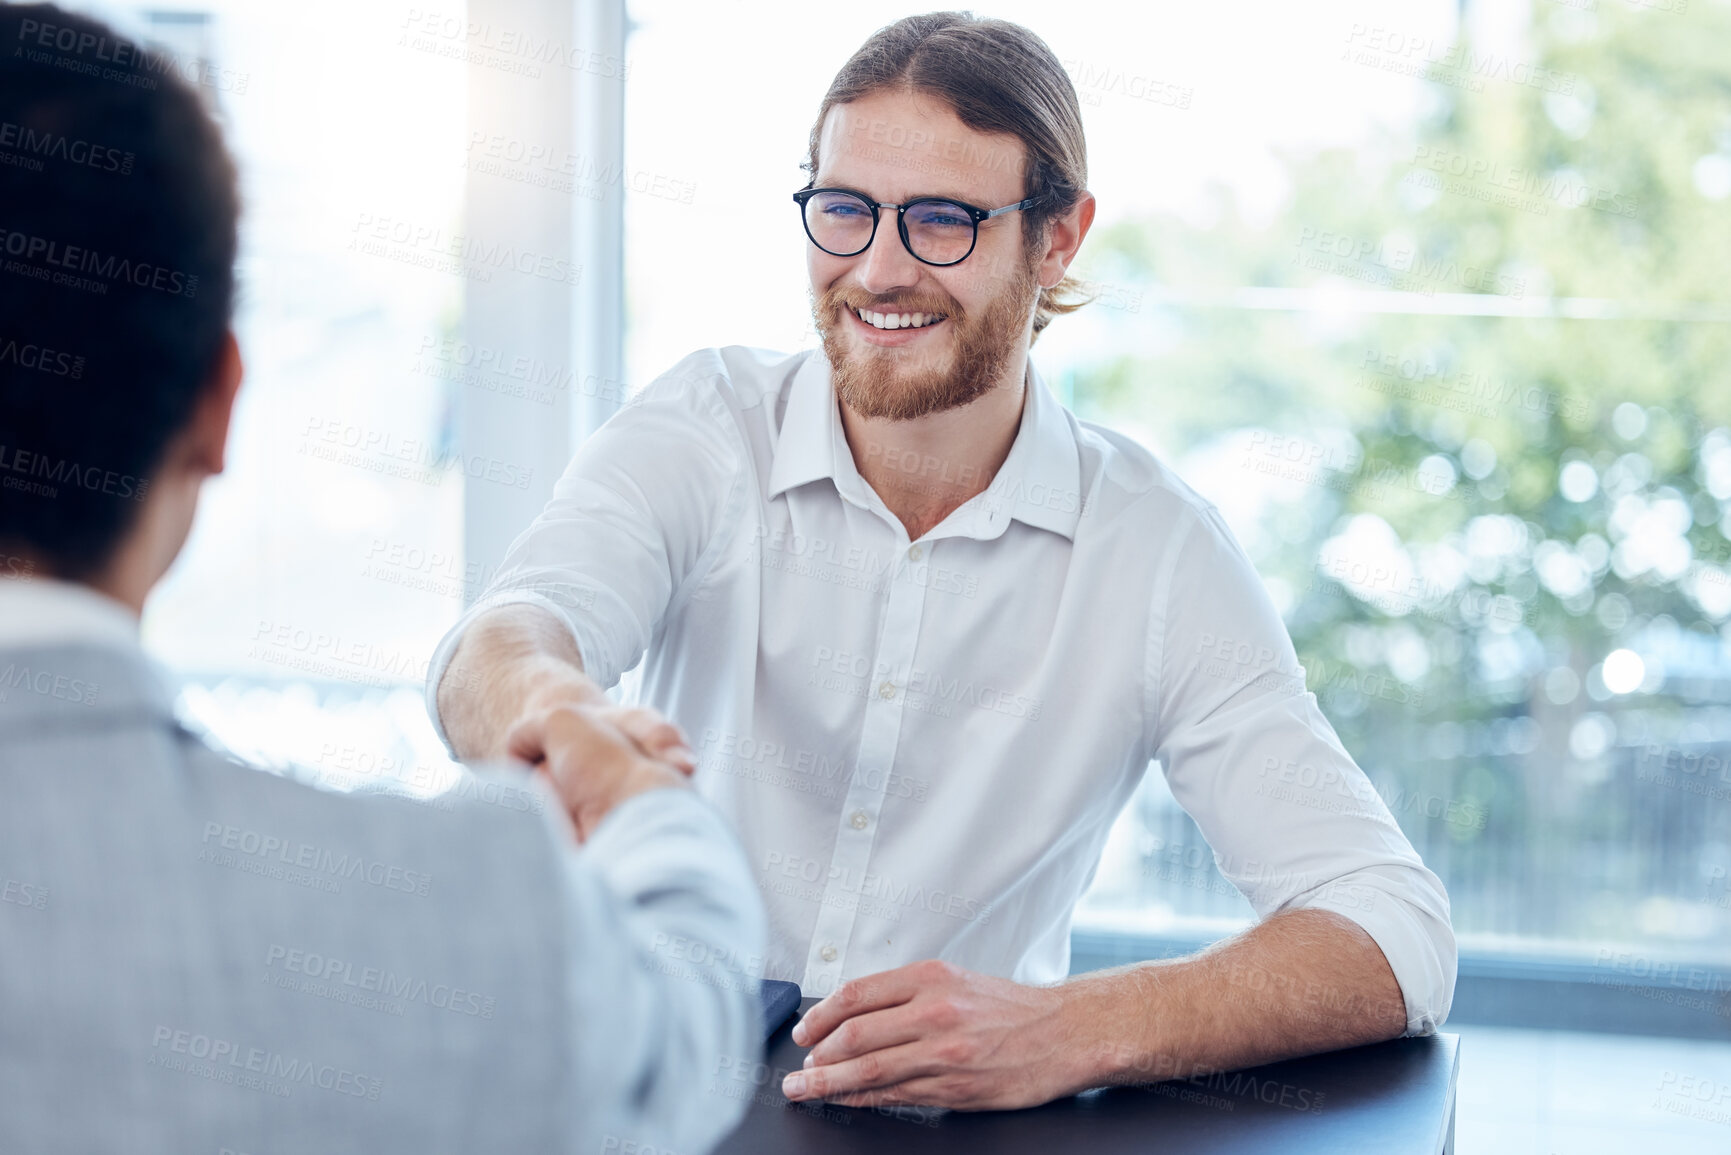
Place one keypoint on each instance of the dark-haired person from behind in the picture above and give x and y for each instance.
(199, 956)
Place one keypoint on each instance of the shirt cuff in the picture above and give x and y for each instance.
(1416, 939)
(448, 646)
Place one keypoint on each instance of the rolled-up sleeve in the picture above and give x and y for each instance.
(1293, 822)
(666, 945)
(636, 515)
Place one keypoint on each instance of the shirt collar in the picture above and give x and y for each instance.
(46, 611)
(1039, 483)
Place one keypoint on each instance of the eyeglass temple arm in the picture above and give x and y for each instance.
(1030, 202)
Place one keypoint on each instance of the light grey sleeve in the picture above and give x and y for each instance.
(668, 937)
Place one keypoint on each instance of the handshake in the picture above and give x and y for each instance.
(598, 754)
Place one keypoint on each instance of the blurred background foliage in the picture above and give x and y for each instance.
(1467, 400)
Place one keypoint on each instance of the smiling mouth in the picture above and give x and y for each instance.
(898, 320)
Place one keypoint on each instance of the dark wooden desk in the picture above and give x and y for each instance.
(1395, 1098)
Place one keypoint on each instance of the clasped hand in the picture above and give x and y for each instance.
(598, 754)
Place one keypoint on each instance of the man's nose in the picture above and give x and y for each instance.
(886, 265)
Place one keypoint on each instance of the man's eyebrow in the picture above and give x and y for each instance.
(941, 196)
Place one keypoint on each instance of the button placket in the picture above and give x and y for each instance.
(858, 823)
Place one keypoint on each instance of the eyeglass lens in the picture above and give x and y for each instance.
(841, 224)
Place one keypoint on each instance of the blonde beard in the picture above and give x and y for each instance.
(880, 382)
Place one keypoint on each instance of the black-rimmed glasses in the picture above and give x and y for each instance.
(935, 230)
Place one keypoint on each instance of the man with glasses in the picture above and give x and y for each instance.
(929, 630)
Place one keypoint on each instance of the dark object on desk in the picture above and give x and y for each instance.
(780, 1001)
(1393, 1098)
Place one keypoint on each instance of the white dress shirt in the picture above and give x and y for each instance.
(924, 744)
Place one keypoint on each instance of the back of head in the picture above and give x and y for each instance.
(117, 247)
(998, 77)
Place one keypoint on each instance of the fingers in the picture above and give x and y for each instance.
(861, 996)
(922, 1092)
(654, 735)
(865, 1033)
(578, 740)
(658, 737)
(527, 741)
(870, 1072)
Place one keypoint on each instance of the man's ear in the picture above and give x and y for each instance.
(207, 436)
(1064, 236)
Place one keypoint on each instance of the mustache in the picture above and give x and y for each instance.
(834, 300)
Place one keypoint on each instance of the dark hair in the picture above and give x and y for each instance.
(998, 77)
(117, 247)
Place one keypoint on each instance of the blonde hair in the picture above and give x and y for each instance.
(999, 78)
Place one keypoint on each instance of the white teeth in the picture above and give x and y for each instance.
(898, 320)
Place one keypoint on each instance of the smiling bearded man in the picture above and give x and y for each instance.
(930, 630)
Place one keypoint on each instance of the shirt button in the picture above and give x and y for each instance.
(914, 553)
(887, 690)
(860, 819)
(827, 954)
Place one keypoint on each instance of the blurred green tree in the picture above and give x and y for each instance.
(1490, 360)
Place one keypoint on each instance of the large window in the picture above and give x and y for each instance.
(1427, 297)
(327, 560)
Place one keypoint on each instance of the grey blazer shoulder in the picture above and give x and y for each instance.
(200, 955)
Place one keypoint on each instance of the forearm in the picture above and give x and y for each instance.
(506, 659)
(1302, 982)
(671, 939)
